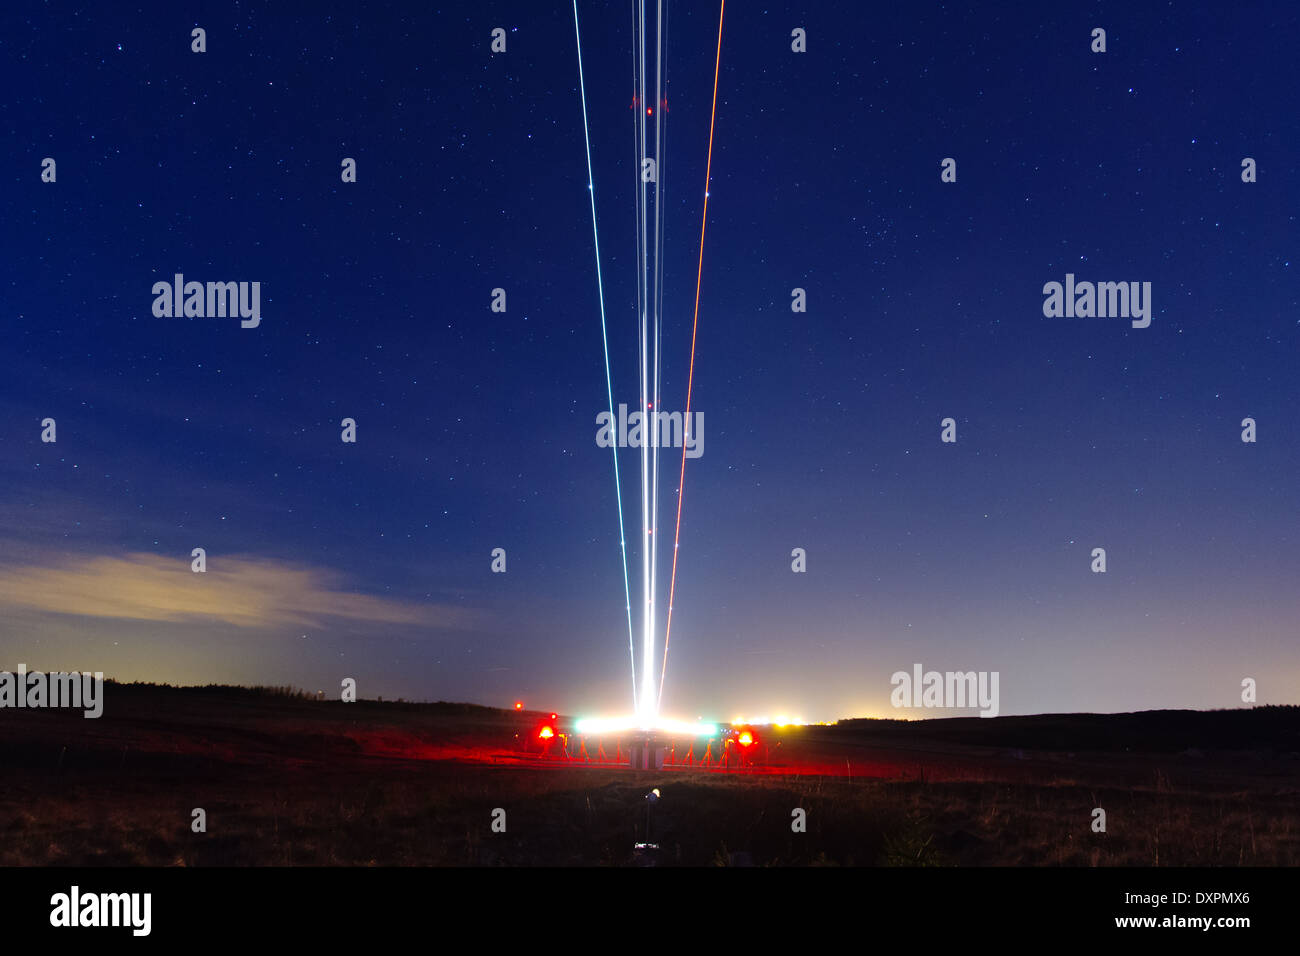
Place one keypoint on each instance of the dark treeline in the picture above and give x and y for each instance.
(288, 692)
(1273, 728)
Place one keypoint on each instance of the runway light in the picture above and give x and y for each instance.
(519, 705)
(546, 733)
(597, 725)
(746, 738)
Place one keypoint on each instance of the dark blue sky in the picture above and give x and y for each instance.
(476, 430)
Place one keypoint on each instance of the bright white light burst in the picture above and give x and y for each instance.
(614, 725)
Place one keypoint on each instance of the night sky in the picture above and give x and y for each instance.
(476, 430)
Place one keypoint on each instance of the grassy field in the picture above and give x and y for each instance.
(288, 781)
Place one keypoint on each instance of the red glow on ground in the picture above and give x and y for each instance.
(793, 759)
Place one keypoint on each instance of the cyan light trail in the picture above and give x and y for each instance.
(604, 337)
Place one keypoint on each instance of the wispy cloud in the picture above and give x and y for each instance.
(240, 590)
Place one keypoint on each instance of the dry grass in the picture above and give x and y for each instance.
(300, 786)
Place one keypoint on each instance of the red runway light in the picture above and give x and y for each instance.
(546, 734)
(746, 739)
(519, 705)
